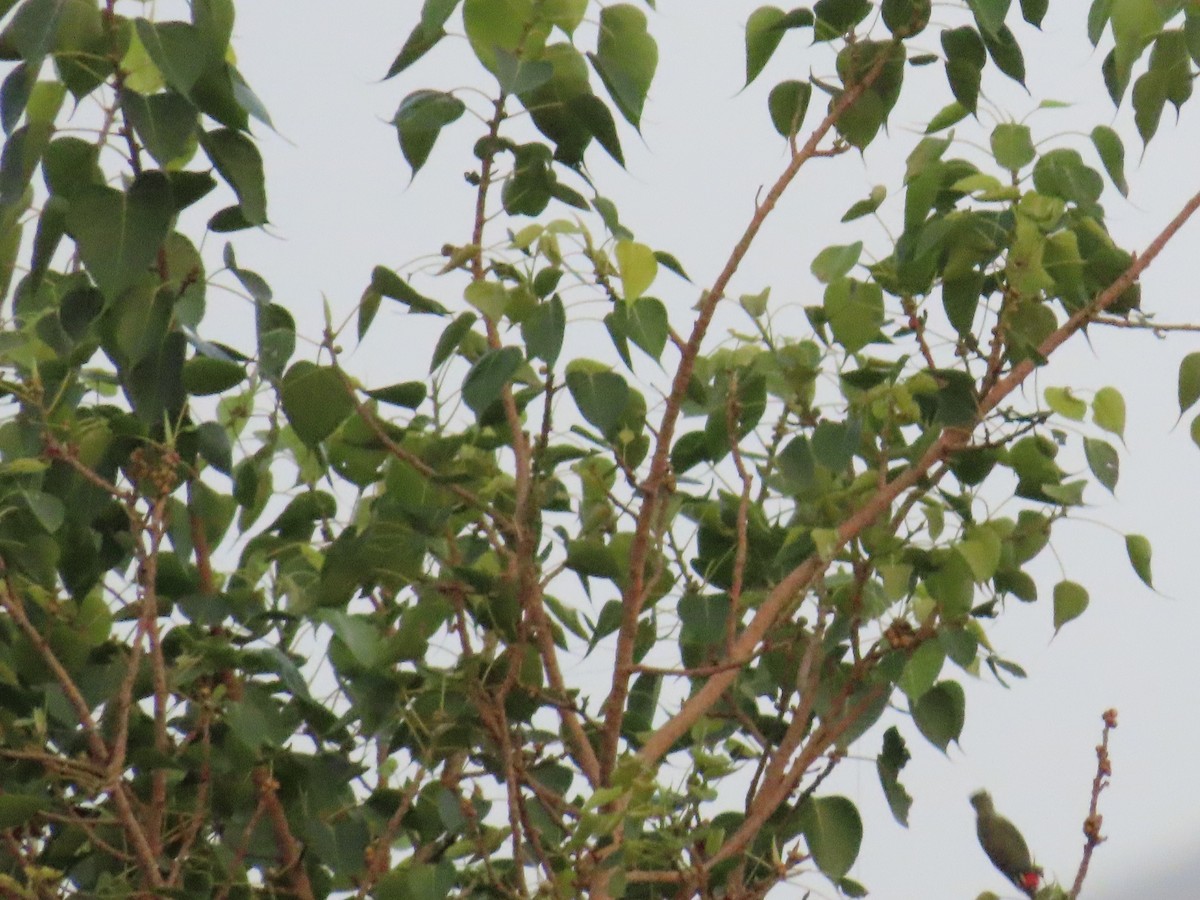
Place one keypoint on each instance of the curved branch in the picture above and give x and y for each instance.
(946, 443)
(658, 479)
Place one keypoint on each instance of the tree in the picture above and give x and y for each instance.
(600, 616)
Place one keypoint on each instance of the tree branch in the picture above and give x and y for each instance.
(1093, 822)
(656, 482)
(946, 443)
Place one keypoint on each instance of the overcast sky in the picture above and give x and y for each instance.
(341, 202)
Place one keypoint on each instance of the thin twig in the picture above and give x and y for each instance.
(947, 443)
(1146, 324)
(658, 482)
(1091, 825)
(291, 851)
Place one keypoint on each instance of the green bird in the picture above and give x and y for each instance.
(1004, 845)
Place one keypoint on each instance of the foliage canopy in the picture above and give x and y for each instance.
(599, 617)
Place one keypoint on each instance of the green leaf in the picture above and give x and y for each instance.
(33, 29)
(452, 336)
(982, 550)
(391, 285)
(1012, 146)
(1149, 98)
(990, 14)
(204, 376)
(1108, 410)
(1070, 601)
(420, 119)
(119, 233)
(368, 308)
(763, 34)
(644, 321)
(891, 759)
(1112, 153)
(516, 76)
(420, 41)
(1134, 25)
(833, 831)
(240, 164)
(1098, 15)
(906, 18)
(668, 261)
(70, 165)
(489, 297)
(1062, 173)
(1104, 462)
(276, 334)
(543, 330)
(940, 713)
(965, 58)
(315, 401)
(1189, 382)
(834, 262)
(1065, 403)
(1138, 548)
(860, 122)
(417, 881)
(869, 205)
(14, 95)
(17, 809)
(363, 640)
(213, 443)
(1195, 431)
(787, 104)
(409, 394)
(703, 618)
(951, 114)
(590, 111)
(165, 122)
(488, 377)
(625, 58)
(214, 20)
(922, 669)
(835, 18)
(638, 268)
(506, 25)
(600, 395)
(46, 508)
(855, 312)
(1034, 11)
(1005, 52)
(178, 49)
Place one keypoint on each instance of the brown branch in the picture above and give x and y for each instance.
(199, 813)
(1145, 324)
(200, 548)
(148, 572)
(742, 549)
(917, 324)
(657, 482)
(1093, 822)
(239, 856)
(423, 468)
(378, 853)
(949, 441)
(807, 674)
(1104, 299)
(765, 805)
(291, 851)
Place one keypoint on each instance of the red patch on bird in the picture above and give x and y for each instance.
(1030, 880)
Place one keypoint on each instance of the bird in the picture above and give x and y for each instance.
(1004, 845)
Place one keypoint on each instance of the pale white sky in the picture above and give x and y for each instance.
(341, 202)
